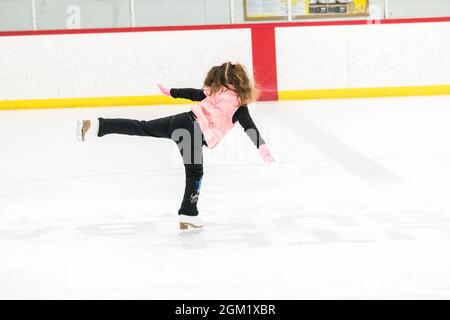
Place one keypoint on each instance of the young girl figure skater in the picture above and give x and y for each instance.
(222, 102)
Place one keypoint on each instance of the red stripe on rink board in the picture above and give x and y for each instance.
(223, 26)
(265, 62)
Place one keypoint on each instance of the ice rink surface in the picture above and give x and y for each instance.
(357, 206)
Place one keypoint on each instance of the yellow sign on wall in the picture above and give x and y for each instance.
(361, 6)
(278, 9)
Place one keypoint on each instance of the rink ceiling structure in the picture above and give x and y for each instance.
(106, 67)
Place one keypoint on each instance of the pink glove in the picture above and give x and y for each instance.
(164, 90)
(265, 153)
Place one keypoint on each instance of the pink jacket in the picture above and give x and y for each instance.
(215, 114)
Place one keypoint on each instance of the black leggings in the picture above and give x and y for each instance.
(181, 128)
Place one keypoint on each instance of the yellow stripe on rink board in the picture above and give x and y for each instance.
(282, 95)
(364, 92)
(88, 102)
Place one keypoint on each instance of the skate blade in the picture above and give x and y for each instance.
(187, 226)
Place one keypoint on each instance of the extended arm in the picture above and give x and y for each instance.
(242, 115)
(245, 120)
(191, 94)
(185, 93)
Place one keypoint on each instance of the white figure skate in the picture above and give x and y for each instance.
(190, 222)
(87, 130)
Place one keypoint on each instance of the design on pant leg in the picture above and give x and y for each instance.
(196, 193)
(194, 197)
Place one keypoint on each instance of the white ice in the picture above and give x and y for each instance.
(357, 206)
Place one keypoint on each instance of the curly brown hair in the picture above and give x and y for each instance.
(232, 74)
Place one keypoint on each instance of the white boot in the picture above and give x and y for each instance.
(87, 129)
(190, 222)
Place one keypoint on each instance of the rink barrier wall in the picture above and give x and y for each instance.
(260, 56)
(351, 57)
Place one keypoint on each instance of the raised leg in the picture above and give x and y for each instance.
(154, 128)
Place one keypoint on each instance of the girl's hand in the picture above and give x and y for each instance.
(164, 90)
(265, 153)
